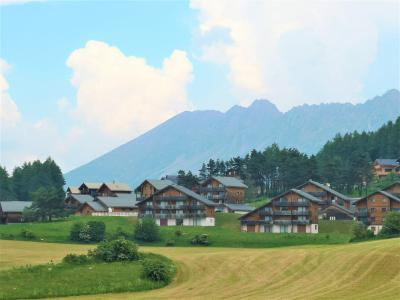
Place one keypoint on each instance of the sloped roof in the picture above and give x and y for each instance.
(92, 185)
(73, 190)
(387, 161)
(387, 194)
(241, 207)
(306, 195)
(230, 181)
(96, 205)
(340, 208)
(326, 188)
(81, 198)
(118, 187)
(158, 184)
(129, 202)
(389, 186)
(14, 206)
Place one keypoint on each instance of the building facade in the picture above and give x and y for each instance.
(291, 212)
(223, 189)
(113, 189)
(384, 166)
(176, 205)
(11, 211)
(150, 186)
(371, 210)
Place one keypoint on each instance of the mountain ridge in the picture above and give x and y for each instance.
(192, 137)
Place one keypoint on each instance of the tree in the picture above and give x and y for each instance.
(6, 191)
(48, 202)
(391, 225)
(147, 230)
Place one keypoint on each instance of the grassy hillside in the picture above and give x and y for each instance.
(368, 270)
(226, 233)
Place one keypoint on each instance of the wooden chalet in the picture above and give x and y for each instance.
(223, 189)
(74, 201)
(90, 188)
(371, 209)
(150, 186)
(120, 206)
(177, 205)
(385, 166)
(11, 211)
(294, 211)
(113, 189)
(236, 208)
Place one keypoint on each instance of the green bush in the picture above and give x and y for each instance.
(26, 234)
(170, 243)
(97, 230)
(201, 239)
(147, 230)
(115, 250)
(157, 270)
(391, 226)
(179, 233)
(75, 259)
(360, 232)
(120, 233)
(75, 230)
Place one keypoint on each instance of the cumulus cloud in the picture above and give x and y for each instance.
(294, 51)
(9, 113)
(124, 95)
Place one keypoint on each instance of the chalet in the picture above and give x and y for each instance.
(150, 186)
(371, 209)
(337, 212)
(123, 206)
(112, 189)
(11, 211)
(90, 188)
(177, 205)
(294, 211)
(326, 194)
(74, 201)
(223, 189)
(385, 166)
(73, 190)
(236, 208)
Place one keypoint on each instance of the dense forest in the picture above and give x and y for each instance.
(345, 162)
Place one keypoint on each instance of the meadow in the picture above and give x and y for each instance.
(226, 233)
(369, 270)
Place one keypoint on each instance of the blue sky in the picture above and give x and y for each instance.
(79, 78)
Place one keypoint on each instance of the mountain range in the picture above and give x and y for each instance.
(191, 138)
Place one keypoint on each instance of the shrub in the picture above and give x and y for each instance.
(120, 233)
(116, 250)
(97, 230)
(178, 233)
(170, 243)
(75, 230)
(147, 231)
(201, 239)
(76, 259)
(156, 270)
(391, 226)
(27, 234)
(84, 234)
(360, 232)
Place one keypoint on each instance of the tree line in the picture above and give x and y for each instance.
(345, 163)
(39, 182)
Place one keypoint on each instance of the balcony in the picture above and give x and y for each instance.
(282, 213)
(255, 222)
(300, 213)
(207, 189)
(283, 222)
(170, 198)
(193, 207)
(266, 212)
(361, 213)
(301, 222)
(291, 203)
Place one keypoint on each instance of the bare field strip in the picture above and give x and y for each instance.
(357, 271)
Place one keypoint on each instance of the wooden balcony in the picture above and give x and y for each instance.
(170, 198)
(206, 189)
(291, 203)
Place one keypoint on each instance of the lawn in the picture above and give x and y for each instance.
(226, 233)
(368, 271)
(258, 202)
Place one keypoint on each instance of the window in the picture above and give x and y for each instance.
(179, 222)
(372, 219)
(373, 209)
(383, 209)
(384, 200)
(268, 218)
(267, 228)
(332, 218)
(284, 228)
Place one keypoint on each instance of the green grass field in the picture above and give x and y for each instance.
(367, 271)
(226, 233)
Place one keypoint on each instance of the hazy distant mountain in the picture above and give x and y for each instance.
(190, 138)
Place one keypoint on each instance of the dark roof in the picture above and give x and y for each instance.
(229, 181)
(158, 184)
(129, 202)
(185, 191)
(389, 186)
(81, 198)
(327, 188)
(96, 205)
(92, 185)
(340, 208)
(389, 195)
(241, 207)
(14, 206)
(118, 187)
(387, 161)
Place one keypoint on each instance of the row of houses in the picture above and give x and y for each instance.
(299, 209)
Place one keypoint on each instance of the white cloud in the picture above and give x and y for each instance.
(9, 114)
(123, 95)
(11, 2)
(63, 103)
(294, 51)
